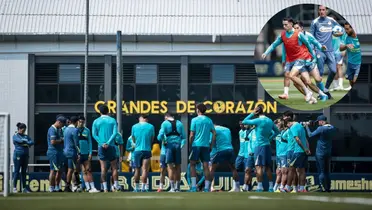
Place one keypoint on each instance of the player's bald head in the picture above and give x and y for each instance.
(322, 11)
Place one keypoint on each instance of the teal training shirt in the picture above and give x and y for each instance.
(85, 141)
(354, 55)
(287, 135)
(264, 128)
(252, 141)
(298, 131)
(104, 130)
(214, 149)
(143, 132)
(223, 138)
(119, 141)
(166, 128)
(281, 146)
(243, 149)
(202, 127)
(130, 147)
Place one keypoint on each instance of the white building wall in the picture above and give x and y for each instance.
(14, 88)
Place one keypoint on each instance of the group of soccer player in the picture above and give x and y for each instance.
(306, 53)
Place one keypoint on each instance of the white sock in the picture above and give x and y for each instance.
(335, 83)
(281, 186)
(161, 186)
(193, 181)
(92, 185)
(320, 92)
(286, 90)
(116, 184)
(137, 186)
(259, 186)
(275, 186)
(233, 185)
(244, 187)
(307, 91)
(207, 184)
(271, 185)
(237, 185)
(143, 186)
(104, 185)
(176, 186)
(341, 82)
(172, 184)
(325, 90)
(87, 186)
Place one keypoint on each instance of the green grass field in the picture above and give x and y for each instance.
(274, 87)
(221, 200)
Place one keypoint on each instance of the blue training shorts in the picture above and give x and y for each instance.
(352, 71)
(173, 153)
(139, 156)
(281, 161)
(56, 160)
(298, 64)
(326, 58)
(163, 164)
(262, 156)
(200, 153)
(339, 58)
(290, 158)
(239, 163)
(224, 156)
(249, 162)
(108, 154)
(300, 160)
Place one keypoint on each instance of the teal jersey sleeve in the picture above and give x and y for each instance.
(302, 38)
(161, 135)
(249, 121)
(95, 130)
(313, 41)
(284, 54)
(114, 133)
(129, 147)
(192, 126)
(274, 45)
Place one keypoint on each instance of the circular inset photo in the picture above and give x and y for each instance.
(308, 57)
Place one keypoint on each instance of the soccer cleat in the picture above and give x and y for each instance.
(232, 190)
(172, 191)
(105, 191)
(347, 89)
(206, 190)
(324, 98)
(159, 190)
(308, 96)
(193, 189)
(277, 191)
(25, 191)
(259, 190)
(294, 191)
(94, 190)
(145, 190)
(283, 96)
(176, 190)
(135, 190)
(302, 191)
(15, 190)
(329, 95)
(338, 88)
(271, 190)
(67, 189)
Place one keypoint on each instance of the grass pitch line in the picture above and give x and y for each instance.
(348, 200)
(262, 198)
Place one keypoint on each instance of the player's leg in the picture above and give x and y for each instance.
(70, 171)
(17, 168)
(356, 69)
(320, 160)
(331, 63)
(60, 158)
(259, 164)
(145, 169)
(228, 155)
(286, 81)
(278, 173)
(115, 175)
(299, 88)
(171, 167)
(53, 167)
(284, 171)
(137, 164)
(204, 158)
(327, 173)
(210, 168)
(291, 172)
(239, 164)
(293, 76)
(104, 169)
(163, 171)
(249, 170)
(177, 161)
(194, 156)
(295, 180)
(314, 73)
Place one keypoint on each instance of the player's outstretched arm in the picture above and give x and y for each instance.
(272, 47)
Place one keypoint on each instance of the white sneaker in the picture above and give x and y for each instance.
(232, 190)
(94, 190)
(348, 88)
(172, 190)
(338, 88)
(15, 190)
(308, 96)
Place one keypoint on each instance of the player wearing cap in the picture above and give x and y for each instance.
(324, 134)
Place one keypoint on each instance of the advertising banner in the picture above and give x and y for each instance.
(38, 182)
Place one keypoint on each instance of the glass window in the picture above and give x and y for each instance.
(69, 73)
(295, 12)
(128, 92)
(199, 93)
(95, 93)
(245, 92)
(359, 93)
(353, 137)
(223, 74)
(70, 94)
(46, 93)
(170, 93)
(308, 12)
(146, 74)
(222, 93)
(146, 92)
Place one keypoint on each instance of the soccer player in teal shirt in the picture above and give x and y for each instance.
(22, 143)
(71, 152)
(104, 131)
(281, 156)
(85, 145)
(55, 154)
(354, 56)
(241, 158)
(143, 134)
(225, 153)
(262, 153)
(200, 129)
(172, 133)
(301, 151)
